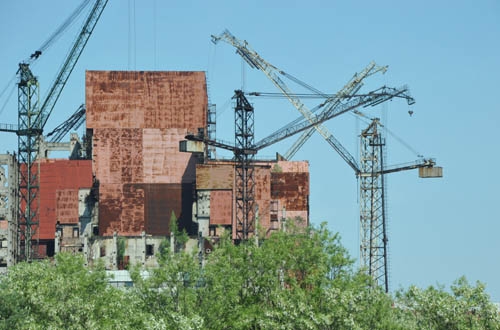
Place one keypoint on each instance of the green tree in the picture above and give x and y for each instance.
(462, 307)
(180, 236)
(299, 279)
(64, 295)
(170, 291)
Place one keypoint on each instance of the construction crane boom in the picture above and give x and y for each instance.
(376, 97)
(272, 72)
(31, 120)
(71, 60)
(301, 124)
(353, 86)
(72, 123)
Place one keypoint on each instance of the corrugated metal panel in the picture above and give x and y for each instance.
(67, 206)
(138, 99)
(291, 189)
(430, 172)
(58, 175)
(221, 207)
(217, 176)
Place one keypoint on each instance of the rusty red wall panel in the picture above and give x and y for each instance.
(117, 155)
(163, 201)
(292, 189)
(59, 174)
(138, 119)
(295, 166)
(221, 207)
(67, 206)
(162, 160)
(214, 176)
(132, 210)
(138, 99)
(110, 208)
(262, 177)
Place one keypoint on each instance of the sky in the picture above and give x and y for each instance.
(447, 52)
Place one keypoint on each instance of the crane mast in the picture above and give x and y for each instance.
(245, 150)
(371, 170)
(32, 118)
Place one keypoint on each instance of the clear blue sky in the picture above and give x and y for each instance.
(448, 52)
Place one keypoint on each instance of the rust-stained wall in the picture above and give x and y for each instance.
(214, 176)
(292, 189)
(67, 206)
(284, 183)
(221, 207)
(60, 180)
(141, 99)
(137, 120)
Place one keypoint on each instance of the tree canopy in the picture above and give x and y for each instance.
(299, 279)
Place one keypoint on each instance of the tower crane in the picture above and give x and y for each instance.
(373, 249)
(273, 73)
(245, 149)
(32, 117)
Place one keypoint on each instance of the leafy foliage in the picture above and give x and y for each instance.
(63, 295)
(301, 279)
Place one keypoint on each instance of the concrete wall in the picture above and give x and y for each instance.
(8, 211)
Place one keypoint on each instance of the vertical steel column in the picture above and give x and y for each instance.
(244, 169)
(372, 206)
(211, 127)
(30, 130)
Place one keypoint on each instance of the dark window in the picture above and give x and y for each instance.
(150, 250)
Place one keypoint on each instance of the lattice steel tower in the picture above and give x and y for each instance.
(372, 206)
(29, 132)
(244, 155)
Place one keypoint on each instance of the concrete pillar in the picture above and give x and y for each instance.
(172, 243)
(86, 249)
(143, 245)
(114, 252)
(57, 243)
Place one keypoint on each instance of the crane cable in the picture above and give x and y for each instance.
(59, 31)
(13, 88)
(364, 118)
(45, 45)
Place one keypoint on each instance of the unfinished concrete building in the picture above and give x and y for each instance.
(136, 120)
(118, 204)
